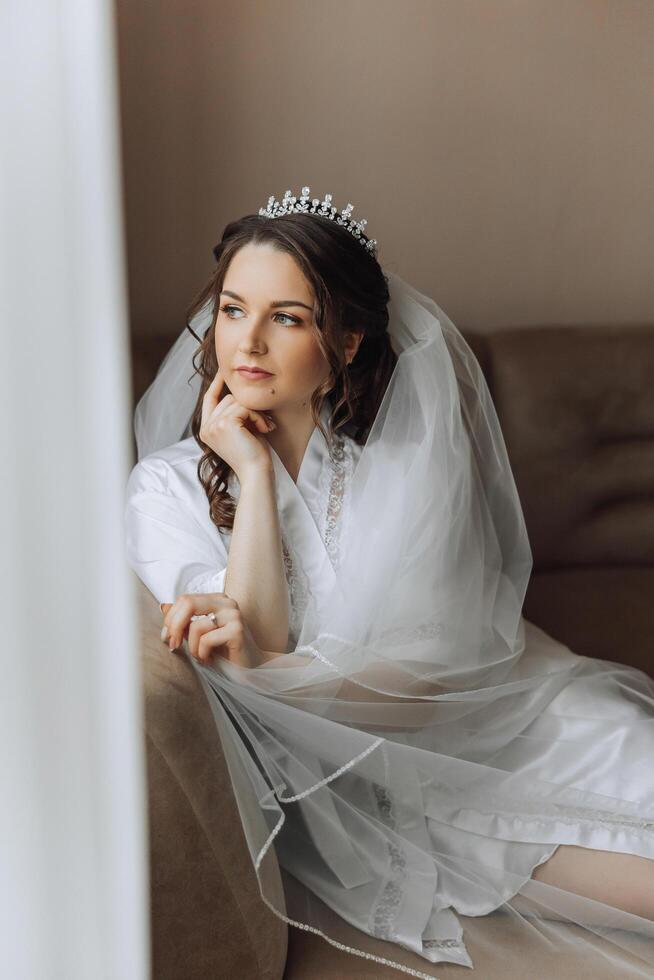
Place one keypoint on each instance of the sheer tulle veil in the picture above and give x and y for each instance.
(391, 762)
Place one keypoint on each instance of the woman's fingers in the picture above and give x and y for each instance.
(216, 640)
(204, 624)
(196, 631)
(262, 420)
(178, 617)
(212, 395)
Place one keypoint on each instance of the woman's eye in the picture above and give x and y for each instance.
(229, 307)
(287, 316)
(226, 309)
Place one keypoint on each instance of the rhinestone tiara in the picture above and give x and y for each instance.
(291, 205)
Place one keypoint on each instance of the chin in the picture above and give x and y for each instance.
(254, 391)
(258, 401)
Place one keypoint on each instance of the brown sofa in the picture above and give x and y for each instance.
(576, 407)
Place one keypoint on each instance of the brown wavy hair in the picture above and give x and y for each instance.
(351, 294)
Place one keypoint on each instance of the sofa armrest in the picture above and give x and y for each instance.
(207, 915)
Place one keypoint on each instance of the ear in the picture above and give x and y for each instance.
(352, 342)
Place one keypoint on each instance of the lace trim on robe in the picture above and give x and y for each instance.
(409, 634)
(389, 898)
(298, 591)
(334, 477)
(606, 817)
(563, 813)
(566, 813)
(334, 480)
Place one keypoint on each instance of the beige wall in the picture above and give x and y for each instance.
(502, 152)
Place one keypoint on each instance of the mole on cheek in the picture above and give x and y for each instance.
(272, 391)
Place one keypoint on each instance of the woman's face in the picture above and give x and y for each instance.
(265, 317)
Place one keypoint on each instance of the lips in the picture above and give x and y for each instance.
(254, 373)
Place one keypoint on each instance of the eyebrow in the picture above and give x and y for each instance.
(280, 302)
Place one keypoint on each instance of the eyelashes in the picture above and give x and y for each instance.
(229, 306)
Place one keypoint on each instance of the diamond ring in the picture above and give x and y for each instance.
(211, 616)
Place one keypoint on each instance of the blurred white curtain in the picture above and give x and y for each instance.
(73, 874)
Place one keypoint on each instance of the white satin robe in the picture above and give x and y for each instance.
(174, 548)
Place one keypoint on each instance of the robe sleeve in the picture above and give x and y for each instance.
(166, 545)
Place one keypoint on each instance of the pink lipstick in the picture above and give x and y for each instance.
(253, 375)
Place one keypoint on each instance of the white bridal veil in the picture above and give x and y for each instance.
(424, 748)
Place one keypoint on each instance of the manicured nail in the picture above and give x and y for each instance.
(164, 634)
(171, 644)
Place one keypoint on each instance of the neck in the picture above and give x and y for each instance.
(290, 438)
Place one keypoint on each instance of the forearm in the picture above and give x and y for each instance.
(255, 574)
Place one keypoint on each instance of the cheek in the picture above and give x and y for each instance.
(221, 347)
(307, 358)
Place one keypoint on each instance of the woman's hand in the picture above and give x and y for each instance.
(232, 430)
(228, 637)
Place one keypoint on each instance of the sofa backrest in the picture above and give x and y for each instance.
(576, 406)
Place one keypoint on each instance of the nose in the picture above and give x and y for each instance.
(251, 336)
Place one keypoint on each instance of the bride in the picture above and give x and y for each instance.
(324, 509)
